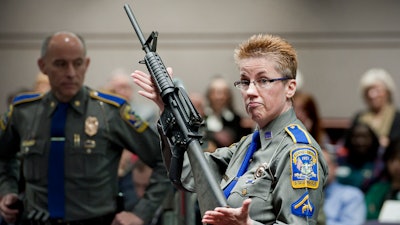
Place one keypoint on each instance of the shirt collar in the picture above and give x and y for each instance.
(77, 103)
(277, 126)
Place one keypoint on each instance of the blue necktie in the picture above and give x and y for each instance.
(56, 198)
(254, 145)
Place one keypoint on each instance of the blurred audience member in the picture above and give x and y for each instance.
(378, 90)
(358, 162)
(141, 177)
(12, 94)
(121, 84)
(198, 101)
(389, 187)
(223, 123)
(307, 111)
(42, 83)
(344, 204)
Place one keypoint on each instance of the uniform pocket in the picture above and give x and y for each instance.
(34, 160)
(88, 160)
(249, 187)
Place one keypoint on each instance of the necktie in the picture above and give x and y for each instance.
(254, 145)
(56, 197)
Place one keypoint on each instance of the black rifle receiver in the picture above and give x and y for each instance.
(180, 122)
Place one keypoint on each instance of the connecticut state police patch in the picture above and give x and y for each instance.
(304, 167)
(133, 119)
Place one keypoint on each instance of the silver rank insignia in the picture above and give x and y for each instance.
(91, 125)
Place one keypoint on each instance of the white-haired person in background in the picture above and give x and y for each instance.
(378, 90)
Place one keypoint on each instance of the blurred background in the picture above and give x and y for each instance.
(337, 41)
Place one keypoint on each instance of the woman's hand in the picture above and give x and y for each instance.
(229, 216)
(150, 89)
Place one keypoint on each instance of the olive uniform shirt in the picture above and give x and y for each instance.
(276, 177)
(98, 127)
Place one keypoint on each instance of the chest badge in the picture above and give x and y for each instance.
(91, 125)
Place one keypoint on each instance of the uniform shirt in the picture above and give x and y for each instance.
(271, 190)
(344, 204)
(98, 127)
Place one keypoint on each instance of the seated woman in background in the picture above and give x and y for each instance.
(225, 126)
(307, 111)
(358, 162)
(389, 187)
(378, 89)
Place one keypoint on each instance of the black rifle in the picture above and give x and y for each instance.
(180, 122)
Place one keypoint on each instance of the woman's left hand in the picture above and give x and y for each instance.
(229, 216)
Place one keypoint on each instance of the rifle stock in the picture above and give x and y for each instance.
(180, 122)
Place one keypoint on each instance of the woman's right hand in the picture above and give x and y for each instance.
(150, 90)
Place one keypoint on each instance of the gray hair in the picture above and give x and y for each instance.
(374, 75)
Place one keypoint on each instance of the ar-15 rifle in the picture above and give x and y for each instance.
(180, 121)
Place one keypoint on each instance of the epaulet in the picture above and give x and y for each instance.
(298, 134)
(108, 98)
(26, 97)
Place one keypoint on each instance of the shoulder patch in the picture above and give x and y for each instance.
(5, 118)
(303, 206)
(26, 97)
(298, 134)
(133, 119)
(108, 98)
(304, 167)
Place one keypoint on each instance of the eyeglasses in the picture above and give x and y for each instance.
(259, 83)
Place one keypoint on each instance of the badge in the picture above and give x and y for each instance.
(304, 171)
(91, 125)
(303, 206)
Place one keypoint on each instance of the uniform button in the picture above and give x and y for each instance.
(244, 191)
(89, 150)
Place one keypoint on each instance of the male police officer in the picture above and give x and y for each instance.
(70, 140)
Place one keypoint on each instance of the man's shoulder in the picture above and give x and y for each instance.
(106, 97)
(27, 97)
